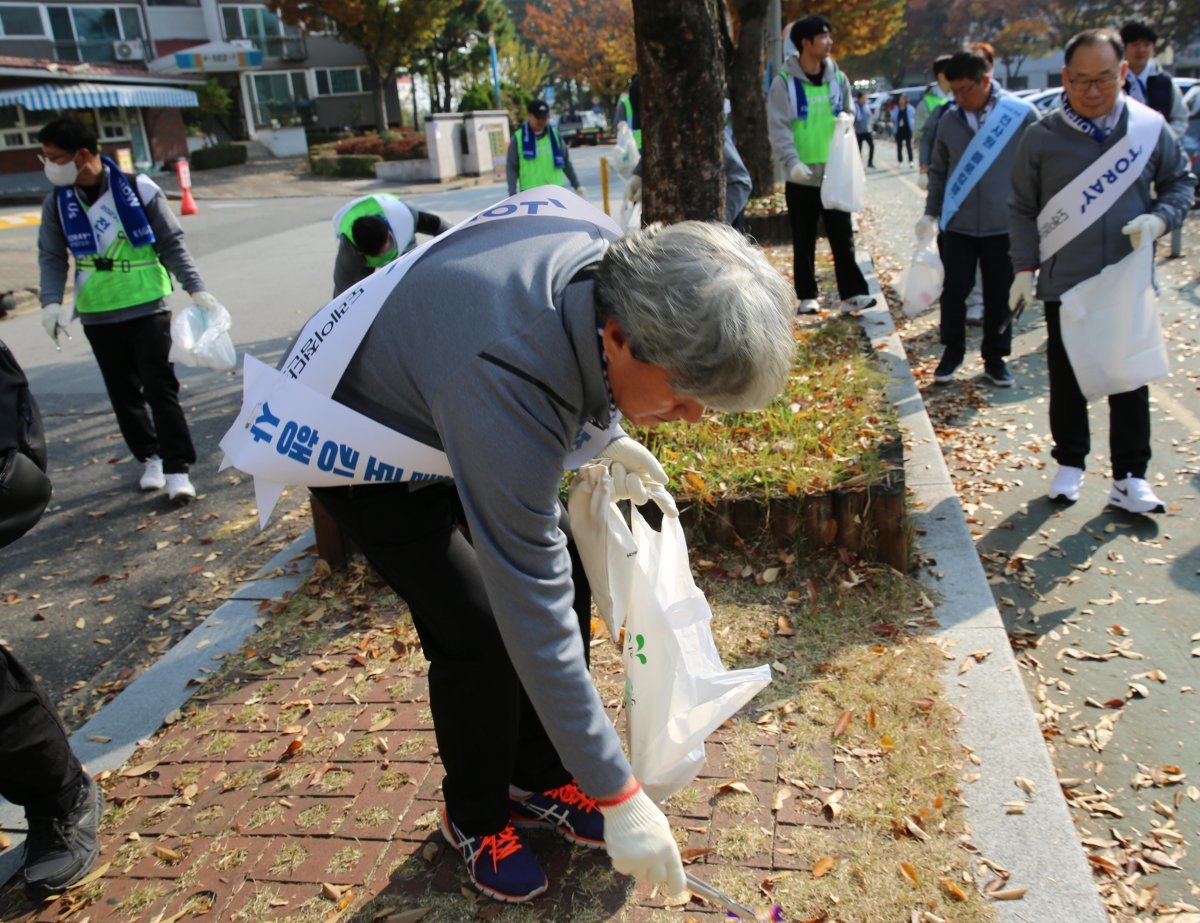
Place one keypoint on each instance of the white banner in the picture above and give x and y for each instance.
(290, 430)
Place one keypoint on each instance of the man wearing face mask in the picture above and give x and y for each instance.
(123, 238)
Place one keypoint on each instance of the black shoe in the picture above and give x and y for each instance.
(952, 360)
(60, 850)
(996, 371)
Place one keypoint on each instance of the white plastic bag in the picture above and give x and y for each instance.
(1110, 327)
(625, 155)
(923, 278)
(200, 338)
(677, 690)
(604, 542)
(844, 186)
(630, 218)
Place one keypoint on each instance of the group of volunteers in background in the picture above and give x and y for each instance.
(515, 345)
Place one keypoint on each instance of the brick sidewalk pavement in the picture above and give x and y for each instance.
(314, 787)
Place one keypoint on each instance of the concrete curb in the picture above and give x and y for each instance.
(143, 705)
(1039, 847)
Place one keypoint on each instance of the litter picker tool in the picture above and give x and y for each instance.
(733, 908)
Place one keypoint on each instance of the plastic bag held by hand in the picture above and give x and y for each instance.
(923, 279)
(200, 338)
(844, 186)
(604, 543)
(679, 692)
(626, 155)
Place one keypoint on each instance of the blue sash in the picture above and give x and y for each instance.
(1001, 127)
(81, 239)
(529, 145)
(835, 97)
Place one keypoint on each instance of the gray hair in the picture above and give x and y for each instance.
(701, 301)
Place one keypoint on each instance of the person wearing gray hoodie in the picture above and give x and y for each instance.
(1093, 120)
(802, 108)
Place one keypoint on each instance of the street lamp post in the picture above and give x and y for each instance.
(495, 68)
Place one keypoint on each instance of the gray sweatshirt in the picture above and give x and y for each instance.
(781, 113)
(168, 242)
(984, 211)
(1052, 153)
(512, 164)
(484, 351)
(350, 266)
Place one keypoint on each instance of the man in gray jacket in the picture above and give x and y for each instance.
(969, 181)
(802, 109)
(497, 347)
(1092, 126)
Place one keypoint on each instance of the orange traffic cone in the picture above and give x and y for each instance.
(188, 206)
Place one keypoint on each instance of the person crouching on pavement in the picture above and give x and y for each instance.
(374, 230)
(123, 237)
(537, 155)
(969, 181)
(1075, 146)
(497, 347)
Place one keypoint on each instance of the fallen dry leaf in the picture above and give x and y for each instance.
(823, 866)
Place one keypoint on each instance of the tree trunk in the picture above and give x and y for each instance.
(416, 115)
(446, 80)
(381, 110)
(748, 96)
(682, 87)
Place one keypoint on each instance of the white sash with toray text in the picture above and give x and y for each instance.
(1094, 191)
(291, 431)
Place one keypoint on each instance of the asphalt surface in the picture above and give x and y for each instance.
(1101, 607)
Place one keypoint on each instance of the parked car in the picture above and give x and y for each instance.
(1045, 101)
(578, 128)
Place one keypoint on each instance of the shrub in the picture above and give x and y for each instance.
(392, 145)
(355, 166)
(219, 155)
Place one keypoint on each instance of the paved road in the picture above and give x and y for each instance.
(1102, 607)
(81, 594)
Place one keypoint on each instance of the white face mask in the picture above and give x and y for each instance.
(61, 174)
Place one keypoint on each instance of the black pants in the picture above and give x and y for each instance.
(143, 389)
(961, 255)
(1128, 413)
(488, 734)
(866, 136)
(804, 211)
(903, 140)
(38, 770)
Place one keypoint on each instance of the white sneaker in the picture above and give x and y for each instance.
(975, 314)
(152, 477)
(809, 306)
(1065, 488)
(858, 303)
(179, 488)
(1134, 496)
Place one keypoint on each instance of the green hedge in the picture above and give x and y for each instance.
(354, 166)
(220, 155)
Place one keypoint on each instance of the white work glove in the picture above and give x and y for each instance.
(799, 173)
(923, 181)
(1144, 227)
(637, 476)
(639, 842)
(927, 227)
(204, 300)
(581, 192)
(633, 190)
(1021, 290)
(55, 319)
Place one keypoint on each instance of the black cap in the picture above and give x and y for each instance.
(538, 108)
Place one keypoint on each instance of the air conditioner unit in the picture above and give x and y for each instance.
(129, 50)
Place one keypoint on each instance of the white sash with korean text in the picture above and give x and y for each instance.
(1001, 127)
(289, 429)
(1094, 191)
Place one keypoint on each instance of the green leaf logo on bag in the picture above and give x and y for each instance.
(640, 642)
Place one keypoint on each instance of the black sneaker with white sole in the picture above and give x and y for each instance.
(996, 371)
(60, 850)
(952, 360)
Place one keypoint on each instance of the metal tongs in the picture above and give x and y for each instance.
(732, 907)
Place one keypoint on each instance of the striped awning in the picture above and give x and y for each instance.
(55, 97)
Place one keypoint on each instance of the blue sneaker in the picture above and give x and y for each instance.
(499, 864)
(567, 810)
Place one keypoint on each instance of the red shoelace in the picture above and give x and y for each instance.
(502, 845)
(570, 794)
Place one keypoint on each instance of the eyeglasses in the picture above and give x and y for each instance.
(964, 90)
(1083, 84)
(58, 159)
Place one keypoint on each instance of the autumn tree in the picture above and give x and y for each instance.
(590, 40)
(681, 72)
(747, 91)
(385, 32)
(460, 47)
(859, 26)
(920, 39)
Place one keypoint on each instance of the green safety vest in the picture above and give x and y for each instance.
(933, 101)
(540, 171)
(368, 206)
(625, 104)
(813, 135)
(137, 277)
